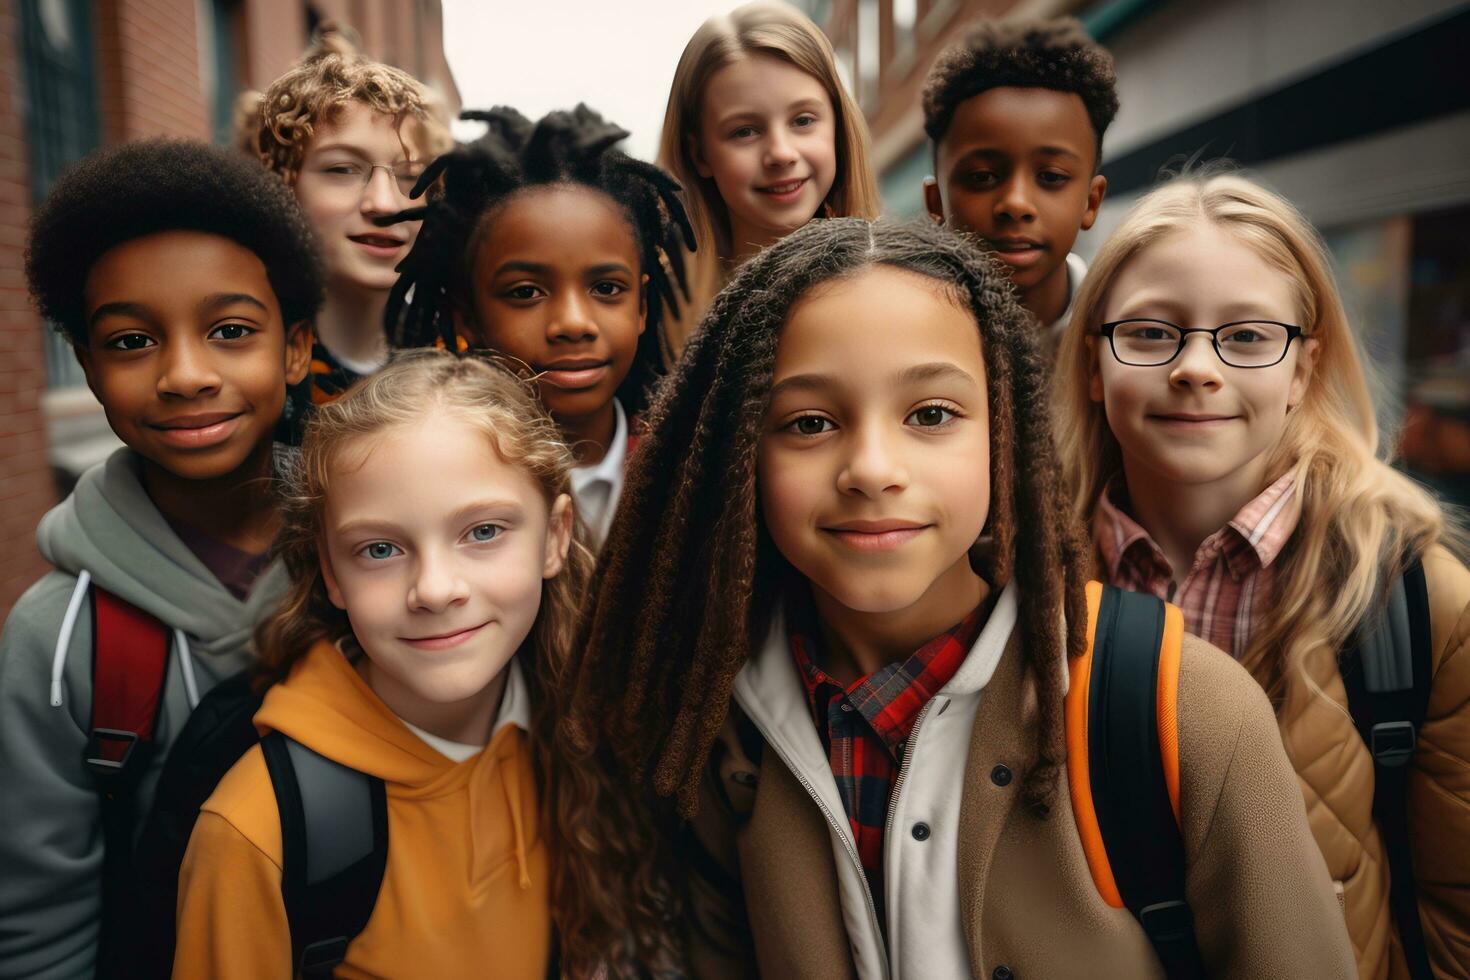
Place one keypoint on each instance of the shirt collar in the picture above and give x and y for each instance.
(1251, 540)
(610, 468)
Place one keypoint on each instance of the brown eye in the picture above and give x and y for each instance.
(930, 416)
(811, 425)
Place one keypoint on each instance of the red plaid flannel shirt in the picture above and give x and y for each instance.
(864, 726)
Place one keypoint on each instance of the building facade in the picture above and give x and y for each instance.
(1357, 111)
(76, 75)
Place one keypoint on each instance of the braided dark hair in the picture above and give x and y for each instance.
(474, 179)
(689, 577)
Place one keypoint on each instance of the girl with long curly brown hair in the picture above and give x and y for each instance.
(834, 619)
(435, 578)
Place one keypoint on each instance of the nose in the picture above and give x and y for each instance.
(1015, 202)
(1197, 366)
(381, 195)
(874, 463)
(437, 584)
(780, 152)
(188, 369)
(571, 318)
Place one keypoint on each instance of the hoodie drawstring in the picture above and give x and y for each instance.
(186, 664)
(63, 639)
(513, 803)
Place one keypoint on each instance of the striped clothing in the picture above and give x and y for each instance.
(1231, 580)
(864, 726)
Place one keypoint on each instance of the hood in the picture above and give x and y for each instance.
(109, 528)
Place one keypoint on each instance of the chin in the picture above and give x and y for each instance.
(874, 597)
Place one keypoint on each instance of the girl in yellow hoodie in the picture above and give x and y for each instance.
(435, 573)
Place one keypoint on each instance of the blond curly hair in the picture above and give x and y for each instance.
(332, 73)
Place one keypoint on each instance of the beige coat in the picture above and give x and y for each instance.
(1336, 776)
(1028, 907)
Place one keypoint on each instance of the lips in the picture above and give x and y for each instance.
(1017, 252)
(574, 374)
(784, 192)
(444, 641)
(1192, 420)
(880, 535)
(378, 244)
(200, 431)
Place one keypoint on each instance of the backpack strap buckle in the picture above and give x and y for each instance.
(1392, 742)
(1167, 921)
(319, 958)
(111, 753)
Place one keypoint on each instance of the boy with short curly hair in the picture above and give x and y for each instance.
(350, 137)
(1017, 112)
(184, 277)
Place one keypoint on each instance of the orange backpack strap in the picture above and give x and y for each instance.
(1123, 765)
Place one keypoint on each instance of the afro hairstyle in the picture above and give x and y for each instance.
(126, 192)
(1055, 54)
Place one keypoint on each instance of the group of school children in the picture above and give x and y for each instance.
(527, 560)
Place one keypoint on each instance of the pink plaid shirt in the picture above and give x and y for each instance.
(1232, 576)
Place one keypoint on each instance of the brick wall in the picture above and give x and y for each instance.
(26, 486)
(148, 60)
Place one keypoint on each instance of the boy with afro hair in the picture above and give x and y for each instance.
(350, 136)
(185, 278)
(1016, 112)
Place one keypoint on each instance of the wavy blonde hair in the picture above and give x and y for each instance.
(505, 409)
(1361, 520)
(332, 73)
(781, 31)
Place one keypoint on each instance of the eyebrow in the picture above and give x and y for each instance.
(739, 114)
(358, 152)
(542, 269)
(136, 311)
(368, 525)
(915, 374)
(219, 301)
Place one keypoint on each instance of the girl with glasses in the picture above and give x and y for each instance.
(1216, 427)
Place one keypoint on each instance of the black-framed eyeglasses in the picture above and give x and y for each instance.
(1242, 344)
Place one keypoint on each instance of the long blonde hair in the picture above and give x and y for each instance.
(1361, 520)
(782, 31)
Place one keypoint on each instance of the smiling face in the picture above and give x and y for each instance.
(557, 284)
(1016, 168)
(768, 139)
(359, 143)
(1197, 420)
(437, 549)
(187, 353)
(874, 472)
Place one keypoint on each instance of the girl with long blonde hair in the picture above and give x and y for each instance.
(436, 575)
(1216, 428)
(763, 136)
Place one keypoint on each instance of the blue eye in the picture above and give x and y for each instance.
(486, 532)
(379, 551)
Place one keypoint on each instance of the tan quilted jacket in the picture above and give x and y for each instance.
(1336, 774)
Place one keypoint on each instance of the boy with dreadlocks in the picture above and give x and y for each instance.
(350, 136)
(551, 247)
(858, 551)
(1017, 112)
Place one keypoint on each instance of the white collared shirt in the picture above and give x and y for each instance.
(1076, 272)
(515, 709)
(596, 488)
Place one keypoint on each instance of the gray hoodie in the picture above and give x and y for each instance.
(107, 531)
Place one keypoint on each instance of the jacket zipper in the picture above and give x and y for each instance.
(848, 845)
(903, 770)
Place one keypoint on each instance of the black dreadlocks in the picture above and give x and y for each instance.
(475, 178)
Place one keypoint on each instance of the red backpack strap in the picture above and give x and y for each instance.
(129, 659)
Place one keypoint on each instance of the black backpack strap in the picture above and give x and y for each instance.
(1388, 674)
(334, 833)
(1135, 816)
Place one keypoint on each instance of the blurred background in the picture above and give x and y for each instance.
(1357, 110)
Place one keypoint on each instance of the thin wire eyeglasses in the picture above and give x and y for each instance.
(1241, 344)
(358, 176)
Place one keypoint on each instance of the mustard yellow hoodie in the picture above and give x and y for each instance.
(465, 892)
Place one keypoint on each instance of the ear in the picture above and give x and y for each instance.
(83, 355)
(1301, 375)
(334, 591)
(933, 200)
(558, 536)
(299, 339)
(696, 155)
(1096, 190)
(642, 304)
(1094, 369)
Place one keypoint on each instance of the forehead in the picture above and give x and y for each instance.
(758, 82)
(1205, 270)
(1019, 122)
(837, 328)
(558, 225)
(357, 126)
(176, 268)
